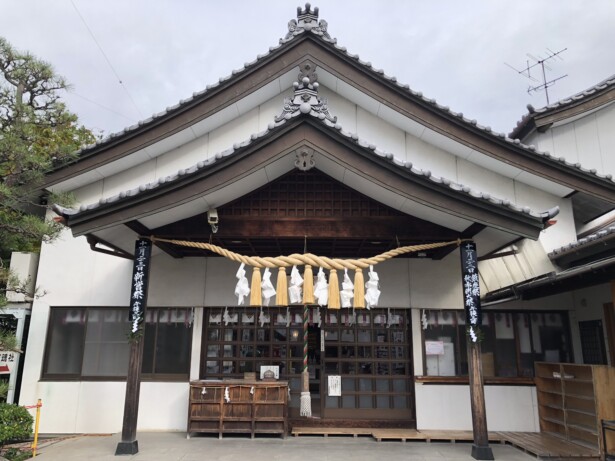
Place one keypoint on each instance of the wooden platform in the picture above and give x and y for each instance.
(393, 434)
(548, 446)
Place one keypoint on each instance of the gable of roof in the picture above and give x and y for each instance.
(308, 43)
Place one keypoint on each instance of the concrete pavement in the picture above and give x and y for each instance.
(173, 446)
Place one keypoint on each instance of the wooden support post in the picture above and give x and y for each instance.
(480, 447)
(471, 302)
(138, 304)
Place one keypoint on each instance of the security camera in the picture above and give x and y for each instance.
(212, 216)
(212, 219)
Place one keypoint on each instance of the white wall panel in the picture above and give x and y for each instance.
(606, 121)
(384, 136)
(129, 179)
(237, 130)
(563, 232)
(88, 194)
(447, 407)
(163, 406)
(588, 143)
(340, 107)
(182, 157)
(428, 157)
(176, 282)
(565, 143)
(485, 181)
(442, 277)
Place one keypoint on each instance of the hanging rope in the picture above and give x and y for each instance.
(308, 258)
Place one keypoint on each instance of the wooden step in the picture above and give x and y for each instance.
(326, 431)
(544, 445)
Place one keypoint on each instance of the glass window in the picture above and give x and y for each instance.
(92, 342)
(511, 342)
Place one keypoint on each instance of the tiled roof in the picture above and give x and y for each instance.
(317, 110)
(603, 86)
(307, 24)
(585, 241)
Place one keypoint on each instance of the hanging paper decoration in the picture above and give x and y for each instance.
(372, 293)
(347, 292)
(267, 289)
(296, 282)
(316, 317)
(321, 289)
(225, 317)
(424, 321)
(263, 318)
(242, 289)
(287, 316)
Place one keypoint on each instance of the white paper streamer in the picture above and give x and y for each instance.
(424, 321)
(296, 282)
(267, 289)
(321, 288)
(263, 318)
(372, 293)
(242, 289)
(347, 291)
(227, 395)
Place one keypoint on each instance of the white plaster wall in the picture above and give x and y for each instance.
(558, 235)
(442, 277)
(23, 266)
(487, 181)
(589, 140)
(447, 407)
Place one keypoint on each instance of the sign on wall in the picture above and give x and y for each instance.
(471, 289)
(7, 361)
(138, 289)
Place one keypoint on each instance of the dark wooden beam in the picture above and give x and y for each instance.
(480, 447)
(144, 231)
(376, 228)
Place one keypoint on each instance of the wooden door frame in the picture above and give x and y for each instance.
(609, 326)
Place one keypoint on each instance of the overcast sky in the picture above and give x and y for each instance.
(451, 50)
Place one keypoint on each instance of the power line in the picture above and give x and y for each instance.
(130, 119)
(107, 59)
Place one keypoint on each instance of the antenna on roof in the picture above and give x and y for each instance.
(540, 61)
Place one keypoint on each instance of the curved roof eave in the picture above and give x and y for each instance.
(442, 186)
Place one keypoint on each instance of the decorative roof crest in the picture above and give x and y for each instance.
(307, 20)
(306, 99)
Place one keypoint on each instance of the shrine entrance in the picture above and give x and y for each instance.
(368, 353)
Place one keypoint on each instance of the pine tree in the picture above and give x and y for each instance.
(37, 135)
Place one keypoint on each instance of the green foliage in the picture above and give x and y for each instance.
(15, 423)
(17, 454)
(4, 390)
(37, 134)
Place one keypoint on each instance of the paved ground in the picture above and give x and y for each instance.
(169, 446)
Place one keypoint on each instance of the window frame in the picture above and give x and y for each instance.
(153, 377)
(521, 380)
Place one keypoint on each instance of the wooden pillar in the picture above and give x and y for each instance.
(480, 447)
(471, 302)
(138, 304)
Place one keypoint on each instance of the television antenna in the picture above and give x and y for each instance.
(535, 61)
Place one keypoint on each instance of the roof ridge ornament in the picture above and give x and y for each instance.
(307, 20)
(305, 99)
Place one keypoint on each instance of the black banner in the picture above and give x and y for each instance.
(471, 288)
(138, 290)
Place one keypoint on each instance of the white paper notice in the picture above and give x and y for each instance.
(434, 347)
(335, 386)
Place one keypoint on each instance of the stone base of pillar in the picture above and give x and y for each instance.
(131, 448)
(482, 452)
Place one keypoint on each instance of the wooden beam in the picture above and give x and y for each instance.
(376, 228)
(144, 231)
